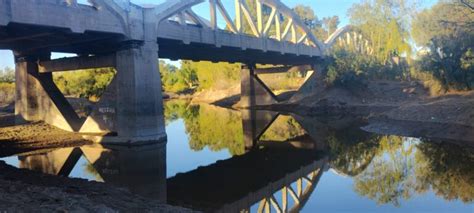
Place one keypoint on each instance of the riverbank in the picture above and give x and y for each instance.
(401, 108)
(47, 193)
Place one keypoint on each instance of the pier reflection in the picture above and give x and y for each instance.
(142, 169)
(277, 162)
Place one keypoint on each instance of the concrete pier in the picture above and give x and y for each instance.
(253, 91)
(130, 110)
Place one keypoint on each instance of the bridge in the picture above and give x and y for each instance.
(131, 38)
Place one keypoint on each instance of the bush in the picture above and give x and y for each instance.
(7, 93)
(7, 75)
(434, 85)
(90, 84)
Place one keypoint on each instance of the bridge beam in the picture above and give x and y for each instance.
(282, 69)
(76, 63)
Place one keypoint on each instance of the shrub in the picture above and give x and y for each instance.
(88, 84)
(7, 93)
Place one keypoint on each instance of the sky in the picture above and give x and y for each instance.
(322, 8)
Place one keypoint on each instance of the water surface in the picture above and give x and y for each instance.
(218, 159)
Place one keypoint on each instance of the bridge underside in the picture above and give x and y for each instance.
(32, 39)
(175, 49)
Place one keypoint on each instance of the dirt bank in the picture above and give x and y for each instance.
(46, 193)
(402, 108)
(445, 118)
(376, 96)
(30, 136)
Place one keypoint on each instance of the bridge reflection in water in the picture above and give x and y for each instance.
(271, 175)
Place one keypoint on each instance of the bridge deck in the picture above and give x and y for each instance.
(47, 26)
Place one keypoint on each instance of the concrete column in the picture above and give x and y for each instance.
(254, 92)
(139, 97)
(26, 99)
(247, 96)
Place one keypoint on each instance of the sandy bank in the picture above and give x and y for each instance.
(46, 193)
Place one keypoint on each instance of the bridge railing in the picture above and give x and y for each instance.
(270, 19)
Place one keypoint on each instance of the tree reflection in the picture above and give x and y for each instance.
(390, 175)
(209, 126)
(352, 150)
(386, 169)
(403, 167)
(283, 128)
(446, 169)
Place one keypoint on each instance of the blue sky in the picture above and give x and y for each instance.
(322, 8)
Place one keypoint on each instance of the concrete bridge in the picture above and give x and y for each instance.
(131, 38)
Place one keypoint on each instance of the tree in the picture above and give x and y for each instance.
(90, 83)
(385, 24)
(447, 31)
(330, 24)
(7, 75)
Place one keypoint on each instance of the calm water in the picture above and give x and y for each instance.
(214, 162)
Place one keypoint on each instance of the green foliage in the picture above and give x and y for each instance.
(387, 178)
(385, 24)
(446, 31)
(351, 70)
(352, 150)
(177, 80)
(214, 75)
(321, 28)
(7, 93)
(209, 126)
(402, 167)
(7, 86)
(446, 169)
(283, 81)
(89, 84)
(282, 129)
(7, 75)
